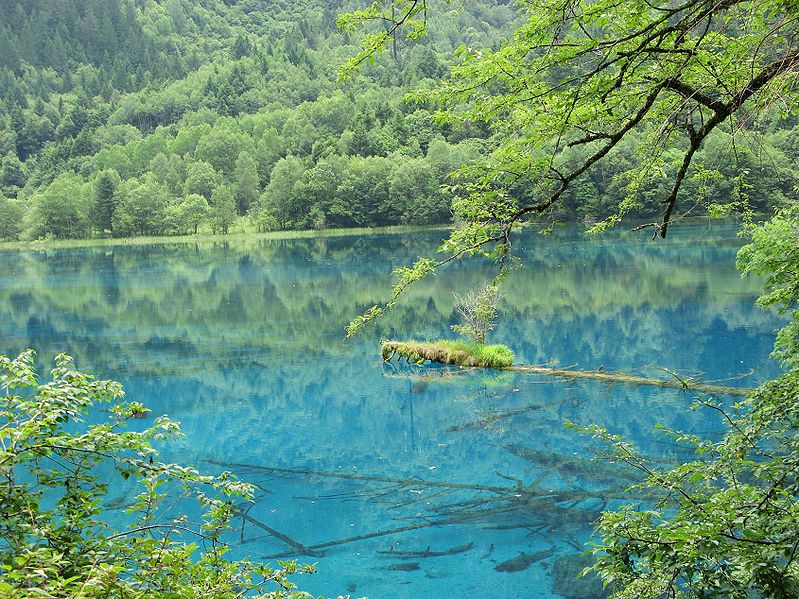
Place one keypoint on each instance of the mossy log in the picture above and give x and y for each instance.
(444, 354)
(457, 353)
(420, 352)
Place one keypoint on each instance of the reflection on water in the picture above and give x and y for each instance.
(401, 481)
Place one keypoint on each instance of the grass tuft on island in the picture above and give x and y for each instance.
(458, 353)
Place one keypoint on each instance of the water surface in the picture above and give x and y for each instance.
(243, 344)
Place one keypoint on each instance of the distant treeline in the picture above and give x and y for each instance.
(122, 117)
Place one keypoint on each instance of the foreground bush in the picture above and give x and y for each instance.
(55, 476)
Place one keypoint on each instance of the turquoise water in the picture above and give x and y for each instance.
(243, 344)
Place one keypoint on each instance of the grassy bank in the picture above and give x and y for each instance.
(206, 238)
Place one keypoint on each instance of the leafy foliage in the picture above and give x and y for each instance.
(773, 254)
(58, 457)
(726, 524)
(607, 111)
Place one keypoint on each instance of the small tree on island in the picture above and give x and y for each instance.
(478, 312)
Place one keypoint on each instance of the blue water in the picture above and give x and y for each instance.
(243, 343)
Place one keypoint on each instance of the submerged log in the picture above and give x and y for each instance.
(576, 467)
(411, 482)
(363, 537)
(432, 352)
(505, 507)
(495, 416)
(427, 552)
(298, 547)
(523, 561)
(403, 567)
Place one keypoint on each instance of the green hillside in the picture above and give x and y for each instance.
(132, 117)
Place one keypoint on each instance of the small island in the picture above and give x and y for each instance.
(459, 353)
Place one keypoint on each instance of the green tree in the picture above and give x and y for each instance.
(223, 209)
(774, 255)
(222, 146)
(169, 170)
(269, 151)
(366, 185)
(299, 134)
(61, 210)
(178, 15)
(140, 208)
(202, 179)
(282, 197)
(440, 157)
(320, 190)
(55, 474)
(187, 215)
(105, 186)
(247, 182)
(142, 152)
(11, 214)
(242, 46)
(415, 194)
(12, 174)
(188, 137)
(264, 221)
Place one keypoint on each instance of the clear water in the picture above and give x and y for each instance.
(243, 344)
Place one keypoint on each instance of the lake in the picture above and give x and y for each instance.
(409, 481)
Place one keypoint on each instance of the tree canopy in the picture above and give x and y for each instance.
(661, 95)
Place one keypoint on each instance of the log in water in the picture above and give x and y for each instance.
(431, 352)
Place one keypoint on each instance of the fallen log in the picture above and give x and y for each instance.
(433, 352)
(363, 537)
(523, 561)
(410, 482)
(503, 502)
(299, 547)
(502, 493)
(427, 552)
(631, 379)
(403, 567)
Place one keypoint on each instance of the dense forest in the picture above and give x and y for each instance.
(152, 117)
(134, 118)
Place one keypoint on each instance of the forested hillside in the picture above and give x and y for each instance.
(147, 117)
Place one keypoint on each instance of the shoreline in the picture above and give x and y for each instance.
(205, 238)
